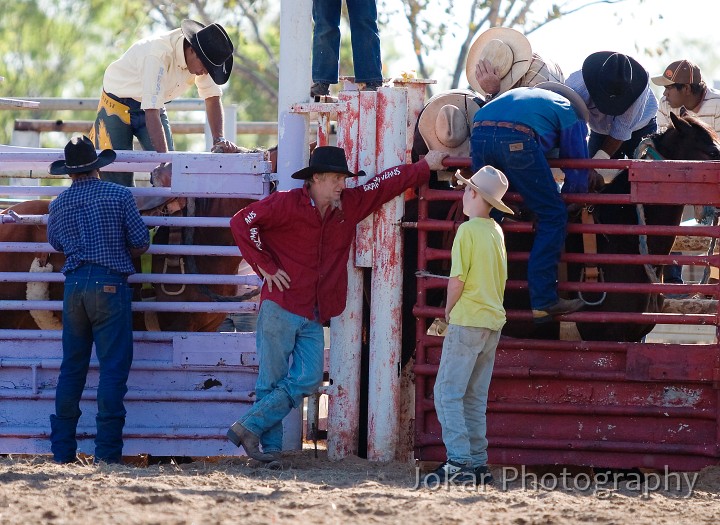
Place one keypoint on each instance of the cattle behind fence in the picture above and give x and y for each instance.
(359, 113)
(184, 388)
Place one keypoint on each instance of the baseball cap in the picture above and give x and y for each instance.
(679, 72)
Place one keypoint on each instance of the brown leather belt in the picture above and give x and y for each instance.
(509, 125)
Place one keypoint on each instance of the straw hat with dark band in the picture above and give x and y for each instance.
(508, 50)
(446, 120)
(489, 182)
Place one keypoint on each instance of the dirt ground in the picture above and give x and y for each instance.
(34, 490)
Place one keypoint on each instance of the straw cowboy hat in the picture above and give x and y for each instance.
(541, 70)
(490, 183)
(507, 49)
(326, 159)
(576, 100)
(445, 122)
(212, 46)
(81, 157)
(614, 81)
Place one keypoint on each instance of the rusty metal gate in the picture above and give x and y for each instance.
(595, 403)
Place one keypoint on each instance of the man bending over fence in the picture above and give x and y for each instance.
(151, 73)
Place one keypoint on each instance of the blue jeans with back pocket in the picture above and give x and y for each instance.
(520, 158)
(96, 308)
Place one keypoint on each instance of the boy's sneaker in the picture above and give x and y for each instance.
(483, 476)
(449, 472)
(319, 89)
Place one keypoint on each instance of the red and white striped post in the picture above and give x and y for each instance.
(416, 89)
(386, 286)
(346, 329)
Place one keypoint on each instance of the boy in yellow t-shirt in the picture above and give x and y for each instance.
(475, 315)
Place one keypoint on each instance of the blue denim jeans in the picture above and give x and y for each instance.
(364, 36)
(239, 322)
(627, 148)
(290, 351)
(519, 156)
(121, 135)
(461, 392)
(96, 307)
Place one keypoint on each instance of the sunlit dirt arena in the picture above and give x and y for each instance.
(310, 489)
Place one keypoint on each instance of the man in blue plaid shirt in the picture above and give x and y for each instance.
(98, 227)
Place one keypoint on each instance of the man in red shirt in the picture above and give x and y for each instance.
(299, 242)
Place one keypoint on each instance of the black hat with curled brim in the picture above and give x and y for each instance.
(81, 157)
(614, 81)
(326, 159)
(212, 46)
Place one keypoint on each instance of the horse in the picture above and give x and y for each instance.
(687, 139)
(204, 264)
(175, 321)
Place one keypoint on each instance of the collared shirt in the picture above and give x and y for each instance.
(479, 260)
(285, 230)
(708, 111)
(96, 222)
(153, 71)
(619, 127)
(558, 130)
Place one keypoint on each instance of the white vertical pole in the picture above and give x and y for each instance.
(295, 79)
(386, 287)
(406, 416)
(230, 126)
(230, 112)
(346, 328)
(293, 128)
(367, 159)
(28, 139)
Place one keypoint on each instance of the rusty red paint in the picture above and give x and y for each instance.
(588, 402)
(384, 396)
(343, 408)
(323, 132)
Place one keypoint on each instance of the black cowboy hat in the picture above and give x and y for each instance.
(80, 157)
(326, 159)
(213, 46)
(614, 81)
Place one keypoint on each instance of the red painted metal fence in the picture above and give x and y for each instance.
(595, 403)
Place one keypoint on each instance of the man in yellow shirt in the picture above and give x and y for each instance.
(153, 72)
